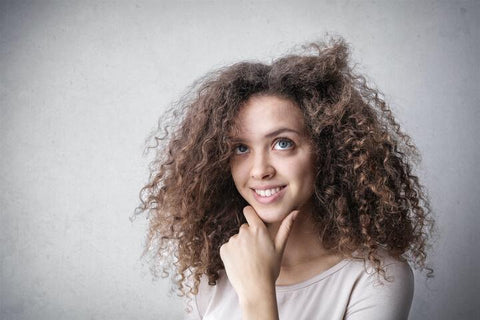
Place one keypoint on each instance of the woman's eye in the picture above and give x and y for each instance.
(283, 144)
(241, 149)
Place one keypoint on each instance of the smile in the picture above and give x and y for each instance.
(267, 192)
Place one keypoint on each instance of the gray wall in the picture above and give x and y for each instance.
(82, 84)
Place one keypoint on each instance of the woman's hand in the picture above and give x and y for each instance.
(252, 260)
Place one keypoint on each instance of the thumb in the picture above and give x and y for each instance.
(284, 231)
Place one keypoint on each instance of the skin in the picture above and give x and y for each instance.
(273, 152)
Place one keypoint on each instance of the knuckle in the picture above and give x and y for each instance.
(233, 238)
(255, 230)
(247, 208)
(222, 250)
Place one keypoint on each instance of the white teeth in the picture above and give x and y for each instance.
(267, 192)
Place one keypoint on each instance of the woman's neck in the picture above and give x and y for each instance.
(304, 255)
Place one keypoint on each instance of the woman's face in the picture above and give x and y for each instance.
(273, 162)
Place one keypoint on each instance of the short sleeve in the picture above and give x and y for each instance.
(374, 298)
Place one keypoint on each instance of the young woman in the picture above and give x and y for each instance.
(285, 190)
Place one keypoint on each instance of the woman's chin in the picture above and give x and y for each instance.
(271, 216)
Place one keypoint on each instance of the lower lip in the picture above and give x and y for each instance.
(270, 199)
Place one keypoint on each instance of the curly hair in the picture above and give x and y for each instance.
(366, 196)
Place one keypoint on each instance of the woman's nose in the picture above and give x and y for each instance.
(262, 168)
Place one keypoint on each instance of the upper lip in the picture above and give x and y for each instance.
(268, 187)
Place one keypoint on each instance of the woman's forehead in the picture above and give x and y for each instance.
(261, 115)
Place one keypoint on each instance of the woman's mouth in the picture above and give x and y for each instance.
(268, 195)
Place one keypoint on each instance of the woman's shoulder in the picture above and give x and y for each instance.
(380, 295)
(391, 267)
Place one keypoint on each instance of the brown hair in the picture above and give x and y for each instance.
(366, 196)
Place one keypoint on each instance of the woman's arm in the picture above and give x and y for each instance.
(252, 263)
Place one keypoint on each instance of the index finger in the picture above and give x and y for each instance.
(252, 217)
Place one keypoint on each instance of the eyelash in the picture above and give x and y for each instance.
(237, 147)
(290, 142)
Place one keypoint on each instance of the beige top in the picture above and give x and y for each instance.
(348, 290)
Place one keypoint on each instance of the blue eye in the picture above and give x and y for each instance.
(283, 144)
(241, 149)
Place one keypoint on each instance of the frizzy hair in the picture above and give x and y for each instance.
(366, 196)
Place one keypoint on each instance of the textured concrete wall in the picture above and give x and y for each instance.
(82, 84)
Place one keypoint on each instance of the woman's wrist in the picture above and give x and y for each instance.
(261, 304)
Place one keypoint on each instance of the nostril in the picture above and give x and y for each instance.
(263, 173)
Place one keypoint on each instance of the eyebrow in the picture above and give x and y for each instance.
(271, 134)
(281, 130)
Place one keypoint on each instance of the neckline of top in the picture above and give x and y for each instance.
(322, 275)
